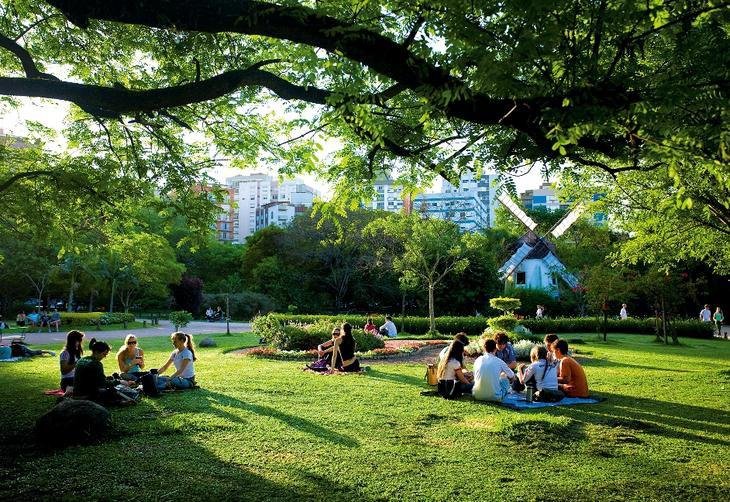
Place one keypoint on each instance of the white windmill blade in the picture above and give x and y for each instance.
(570, 218)
(516, 211)
(513, 262)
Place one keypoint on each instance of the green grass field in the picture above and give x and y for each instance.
(262, 429)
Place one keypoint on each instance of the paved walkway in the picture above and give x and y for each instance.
(163, 329)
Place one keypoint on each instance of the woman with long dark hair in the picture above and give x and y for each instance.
(183, 358)
(70, 355)
(89, 380)
(453, 380)
(343, 353)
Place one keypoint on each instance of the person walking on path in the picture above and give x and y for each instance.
(719, 317)
(706, 314)
(623, 314)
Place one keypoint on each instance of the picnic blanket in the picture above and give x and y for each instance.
(516, 401)
(55, 392)
(12, 359)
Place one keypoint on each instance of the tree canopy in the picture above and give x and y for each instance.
(613, 90)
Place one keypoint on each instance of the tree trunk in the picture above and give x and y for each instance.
(91, 301)
(664, 322)
(403, 312)
(70, 302)
(657, 325)
(431, 314)
(111, 297)
(605, 325)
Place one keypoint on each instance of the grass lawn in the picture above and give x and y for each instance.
(262, 429)
(89, 330)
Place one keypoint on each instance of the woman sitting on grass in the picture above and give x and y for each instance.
(130, 359)
(69, 357)
(89, 380)
(183, 358)
(370, 328)
(541, 375)
(453, 381)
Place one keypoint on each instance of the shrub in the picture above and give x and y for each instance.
(522, 349)
(504, 322)
(82, 319)
(180, 318)
(505, 304)
(268, 328)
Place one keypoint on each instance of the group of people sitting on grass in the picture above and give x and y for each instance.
(551, 375)
(84, 377)
(42, 319)
(387, 330)
(338, 353)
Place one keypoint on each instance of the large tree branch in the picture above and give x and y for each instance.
(26, 60)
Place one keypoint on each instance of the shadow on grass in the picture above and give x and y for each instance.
(397, 378)
(606, 363)
(671, 420)
(294, 421)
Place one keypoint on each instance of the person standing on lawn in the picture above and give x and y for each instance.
(706, 314)
(571, 376)
(719, 317)
(491, 375)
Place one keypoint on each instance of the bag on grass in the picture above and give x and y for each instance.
(431, 376)
(548, 396)
(149, 385)
(449, 389)
(128, 394)
(320, 365)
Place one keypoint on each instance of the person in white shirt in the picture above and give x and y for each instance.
(540, 312)
(623, 314)
(541, 375)
(491, 375)
(388, 329)
(183, 358)
(706, 314)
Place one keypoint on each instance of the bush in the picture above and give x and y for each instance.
(522, 349)
(243, 305)
(474, 326)
(82, 319)
(505, 304)
(180, 318)
(301, 335)
(504, 322)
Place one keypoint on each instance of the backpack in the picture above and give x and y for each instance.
(149, 385)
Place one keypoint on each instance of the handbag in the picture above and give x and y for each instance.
(449, 389)
(128, 394)
(431, 376)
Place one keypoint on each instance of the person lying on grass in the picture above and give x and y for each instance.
(89, 380)
(491, 375)
(571, 377)
(541, 376)
(183, 358)
(70, 355)
(453, 380)
(130, 359)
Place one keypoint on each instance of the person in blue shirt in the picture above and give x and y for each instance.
(504, 349)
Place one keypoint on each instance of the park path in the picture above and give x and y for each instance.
(163, 329)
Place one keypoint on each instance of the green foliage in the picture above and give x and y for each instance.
(83, 319)
(180, 318)
(683, 329)
(504, 322)
(505, 304)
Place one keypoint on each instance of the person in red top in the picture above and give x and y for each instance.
(571, 377)
(370, 328)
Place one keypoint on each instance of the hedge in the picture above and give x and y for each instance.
(300, 335)
(474, 326)
(81, 319)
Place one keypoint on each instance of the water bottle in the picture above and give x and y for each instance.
(529, 394)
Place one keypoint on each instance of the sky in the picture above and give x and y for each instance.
(52, 114)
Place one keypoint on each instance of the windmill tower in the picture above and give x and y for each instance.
(534, 263)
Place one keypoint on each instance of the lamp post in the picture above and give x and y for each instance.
(228, 318)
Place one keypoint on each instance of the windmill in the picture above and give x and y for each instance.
(534, 264)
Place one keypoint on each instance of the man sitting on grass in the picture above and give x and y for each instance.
(489, 385)
(571, 377)
(504, 349)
